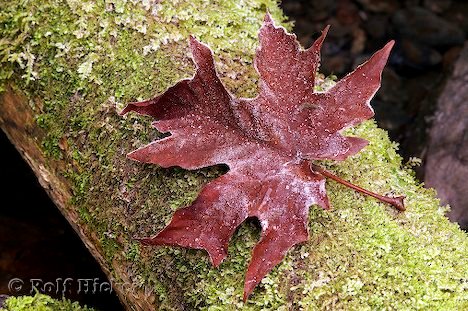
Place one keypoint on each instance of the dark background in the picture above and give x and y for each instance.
(429, 35)
(37, 242)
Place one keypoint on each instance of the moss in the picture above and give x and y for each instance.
(41, 302)
(109, 246)
(133, 251)
(80, 61)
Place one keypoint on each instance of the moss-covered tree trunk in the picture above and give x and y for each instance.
(66, 69)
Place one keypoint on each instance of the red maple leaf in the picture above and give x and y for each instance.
(267, 142)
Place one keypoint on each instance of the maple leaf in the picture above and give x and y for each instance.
(267, 142)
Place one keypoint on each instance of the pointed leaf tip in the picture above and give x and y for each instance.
(193, 43)
(137, 107)
(390, 44)
(246, 296)
(325, 31)
(201, 53)
(192, 39)
(136, 155)
(144, 241)
(317, 45)
(248, 289)
(125, 110)
(268, 19)
(385, 51)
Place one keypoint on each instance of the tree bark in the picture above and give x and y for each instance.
(67, 68)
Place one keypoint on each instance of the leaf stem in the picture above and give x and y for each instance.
(396, 202)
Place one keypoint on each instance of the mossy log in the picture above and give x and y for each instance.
(67, 67)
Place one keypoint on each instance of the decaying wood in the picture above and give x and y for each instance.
(18, 123)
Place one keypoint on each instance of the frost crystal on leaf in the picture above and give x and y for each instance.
(266, 141)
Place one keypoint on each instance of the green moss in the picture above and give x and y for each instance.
(80, 61)
(109, 246)
(41, 302)
(133, 251)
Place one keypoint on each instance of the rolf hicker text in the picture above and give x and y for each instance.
(60, 286)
